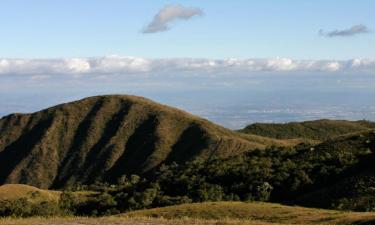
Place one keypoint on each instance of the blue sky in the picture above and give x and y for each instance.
(240, 29)
(233, 62)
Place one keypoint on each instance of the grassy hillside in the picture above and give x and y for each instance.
(316, 130)
(101, 138)
(255, 211)
(16, 191)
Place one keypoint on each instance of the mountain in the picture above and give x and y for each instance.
(101, 138)
(320, 130)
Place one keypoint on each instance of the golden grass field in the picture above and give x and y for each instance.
(128, 221)
(214, 213)
(16, 191)
(257, 211)
(33, 194)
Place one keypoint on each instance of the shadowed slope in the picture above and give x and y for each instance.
(354, 187)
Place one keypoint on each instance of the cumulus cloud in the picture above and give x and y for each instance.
(169, 14)
(352, 31)
(111, 64)
(76, 65)
(125, 65)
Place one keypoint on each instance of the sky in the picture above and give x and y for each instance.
(240, 29)
(233, 62)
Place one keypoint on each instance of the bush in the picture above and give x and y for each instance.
(24, 208)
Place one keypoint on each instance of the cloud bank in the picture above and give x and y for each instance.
(169, 14)
(352, 31)
(135, 66)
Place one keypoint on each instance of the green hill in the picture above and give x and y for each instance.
(353, 186)
(316, 130)
(101, 138)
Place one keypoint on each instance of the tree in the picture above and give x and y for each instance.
(263, 191)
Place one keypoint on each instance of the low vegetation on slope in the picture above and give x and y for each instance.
(256, 211)
(24, 201)
(214, 213)
(102, 138)
(16, 191)
(127, 221)
(316, 130)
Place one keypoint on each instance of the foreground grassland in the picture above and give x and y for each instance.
(128, 221)
(214, 213)
(260, 212)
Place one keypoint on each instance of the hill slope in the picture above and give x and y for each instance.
(104, 137)
(213, 213)
(316, 130)
(16, 191)
(256, 211)
(351, 184)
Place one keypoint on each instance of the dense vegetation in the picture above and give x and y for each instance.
(320, 130)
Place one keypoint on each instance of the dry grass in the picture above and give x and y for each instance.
(127, 221)
(16, 191)
(33, 194)
(219, 213)
(264, 212)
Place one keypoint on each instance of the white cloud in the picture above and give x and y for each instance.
(355, 63)
(168, 14)
(281, 64)
(76, 65)
(123, 66)
(4, 66)
(332, 66)
(114, 63)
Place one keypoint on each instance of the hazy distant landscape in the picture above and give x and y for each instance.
(232, 109)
